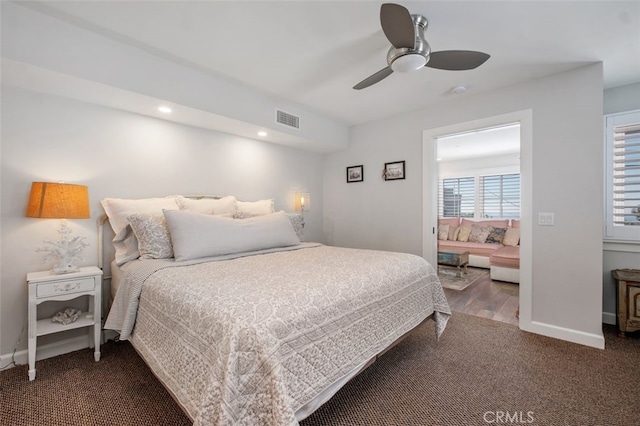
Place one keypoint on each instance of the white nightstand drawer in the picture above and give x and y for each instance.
(65, 287)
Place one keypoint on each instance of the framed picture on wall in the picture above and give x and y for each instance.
(393, 171)
(355, 174)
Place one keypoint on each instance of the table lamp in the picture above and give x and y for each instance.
(61, 201)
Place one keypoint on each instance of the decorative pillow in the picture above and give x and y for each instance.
(463, 233)
(297, 221)
(195, 235)
(119, 209)
(479, 233)
(224, 205)
(496, 235)
(154, 241)
(511, 237)
(443, 232)
(247, 209)
(453, 233)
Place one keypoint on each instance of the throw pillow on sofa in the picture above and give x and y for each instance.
(511, 237)
(479, 234)
(496, 236)
(443, 232)
(453, 233)
(463, 234)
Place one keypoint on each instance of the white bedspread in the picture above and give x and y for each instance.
(250, 340)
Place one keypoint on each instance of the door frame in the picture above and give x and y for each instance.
(430, 195)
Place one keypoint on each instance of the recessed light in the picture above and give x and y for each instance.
(262, 133)
(164, 109)
(459, 89)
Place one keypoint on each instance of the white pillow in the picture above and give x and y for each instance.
(195, 235)
(222, 205)
(119, 209)
(254, 208)
(126, 246)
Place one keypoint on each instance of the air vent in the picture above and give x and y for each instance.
(287, 119)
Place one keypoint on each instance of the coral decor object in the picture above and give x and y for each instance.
(67, 316)
(66, 251)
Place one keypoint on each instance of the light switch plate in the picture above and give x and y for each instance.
(545, 219)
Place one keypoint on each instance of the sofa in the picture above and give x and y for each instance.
(493, 244)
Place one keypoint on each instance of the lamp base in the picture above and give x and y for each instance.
(65, 269)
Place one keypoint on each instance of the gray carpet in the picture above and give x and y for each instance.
(478, 370)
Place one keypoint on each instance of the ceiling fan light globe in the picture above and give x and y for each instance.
(408, 63)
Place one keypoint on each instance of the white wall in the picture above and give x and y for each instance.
(618, 255)
(31, 37)
(118, 154)
(566, 287)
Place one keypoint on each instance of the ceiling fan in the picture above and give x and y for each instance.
(410, 51)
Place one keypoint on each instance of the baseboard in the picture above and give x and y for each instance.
(609, 318)
(55, 348)
(570, 335)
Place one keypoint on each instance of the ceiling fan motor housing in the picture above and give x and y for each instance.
(407, 59)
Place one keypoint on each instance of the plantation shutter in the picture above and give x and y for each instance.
(457, 197)
(623, 189)
(500, 196)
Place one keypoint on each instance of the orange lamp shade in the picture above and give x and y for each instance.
(58, 201)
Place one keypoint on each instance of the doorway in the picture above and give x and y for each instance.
(432, 208)
(479, 184)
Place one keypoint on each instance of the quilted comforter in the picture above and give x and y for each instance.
(252, 339)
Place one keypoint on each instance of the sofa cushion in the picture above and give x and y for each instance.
(496, 223)
(506, 257)
(451, 221)
(477, 249)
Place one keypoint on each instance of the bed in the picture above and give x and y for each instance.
(269, 332)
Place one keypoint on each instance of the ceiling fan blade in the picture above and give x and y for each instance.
(373, 79)
(397, 25)
(456, 60)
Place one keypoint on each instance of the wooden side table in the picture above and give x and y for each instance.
(459, 259)
(628, 300)
(46, 286)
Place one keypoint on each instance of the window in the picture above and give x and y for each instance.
(623, 176)
(457, 197)
(492, 196)
(500, 196)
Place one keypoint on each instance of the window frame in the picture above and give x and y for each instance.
(612, 232)
(476, 174)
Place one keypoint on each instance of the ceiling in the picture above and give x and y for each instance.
(487, 142)
(312, 53)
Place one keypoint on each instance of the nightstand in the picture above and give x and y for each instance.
(628, 300)
(46, 286)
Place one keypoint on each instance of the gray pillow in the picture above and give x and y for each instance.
(195, 235)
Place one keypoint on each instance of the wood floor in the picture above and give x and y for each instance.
(485, 298)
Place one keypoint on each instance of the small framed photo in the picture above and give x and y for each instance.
(355, 174)
(394, 171)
